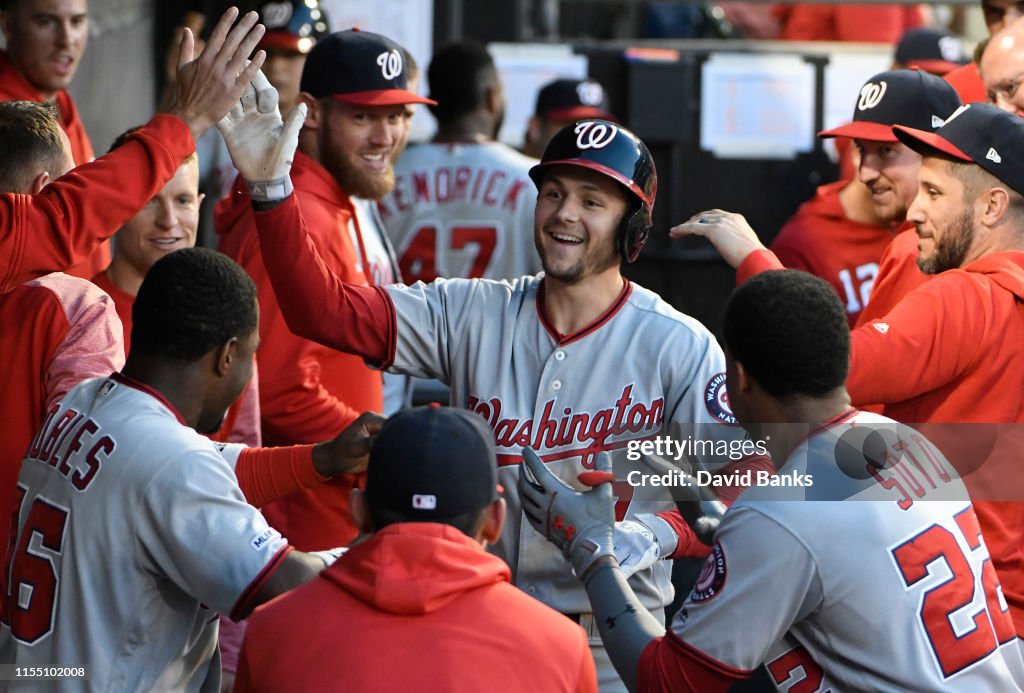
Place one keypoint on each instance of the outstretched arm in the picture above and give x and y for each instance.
(734, 240)
(63, 224)
(316, 303)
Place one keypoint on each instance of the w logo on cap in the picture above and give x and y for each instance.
(390, 64)
(993, 155)
(871, 95)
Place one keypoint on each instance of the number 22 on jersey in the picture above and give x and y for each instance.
(960, 634)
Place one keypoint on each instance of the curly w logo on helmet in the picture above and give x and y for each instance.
(591, 135)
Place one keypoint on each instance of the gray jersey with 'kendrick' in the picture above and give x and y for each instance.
(641, 370)
(132, 536)
(462, 209)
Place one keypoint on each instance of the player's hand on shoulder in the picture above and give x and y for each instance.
(349, 451)
(729, 232)
(580, 524)
(262, 145)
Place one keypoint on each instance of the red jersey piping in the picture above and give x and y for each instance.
(142, 387)
(562, 340)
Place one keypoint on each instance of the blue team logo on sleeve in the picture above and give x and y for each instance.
(717, 400)
(712, 576)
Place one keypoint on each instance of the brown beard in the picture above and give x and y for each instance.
(599, 261)
(951, 250)
(354, 181)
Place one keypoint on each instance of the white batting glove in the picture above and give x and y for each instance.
(262, 146)
(580, 524)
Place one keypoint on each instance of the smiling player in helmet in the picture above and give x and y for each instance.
(575, 361)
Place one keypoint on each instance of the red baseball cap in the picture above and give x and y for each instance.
(912, 98)
(359, 67)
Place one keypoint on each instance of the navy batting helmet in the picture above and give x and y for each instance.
(611, 149)
(293, 25)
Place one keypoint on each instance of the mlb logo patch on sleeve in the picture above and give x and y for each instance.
(263, 538)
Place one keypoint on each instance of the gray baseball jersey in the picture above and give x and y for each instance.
(132, 536)
(641, 370)
(885, 586)
(462, 210)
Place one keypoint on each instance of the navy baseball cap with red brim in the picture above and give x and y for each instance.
(359, 67)
(979, 133)
(912, 98)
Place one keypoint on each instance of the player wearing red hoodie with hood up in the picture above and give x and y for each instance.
(421, 586)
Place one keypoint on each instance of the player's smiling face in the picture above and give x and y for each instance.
(168, 222)
(943, 218)
(46, 39)
(889, 170)
(576, 223)
(359, 145)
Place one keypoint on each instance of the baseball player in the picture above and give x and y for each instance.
(63, 223)
(949, 351)
(461, 201)
(907, 601)
(417, 579)
(45, 42)
(841, 234)
(132, 530)
(575, 361)
(562, 102)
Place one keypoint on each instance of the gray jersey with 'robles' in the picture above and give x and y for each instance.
(132, 536)
(641, 370)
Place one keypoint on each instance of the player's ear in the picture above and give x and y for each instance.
(225, 355)
(494, 520)
(995, 203)
(39, 182)
(314, 111)
(742, 378)
(360, 511)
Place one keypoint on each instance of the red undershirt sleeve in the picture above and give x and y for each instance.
(669, 664)
(688, 545)
(316, 304)
(266, 474)
(755, 263)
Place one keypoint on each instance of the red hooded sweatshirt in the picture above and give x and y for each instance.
(417, 607)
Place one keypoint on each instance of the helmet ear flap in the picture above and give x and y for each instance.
(634, 232)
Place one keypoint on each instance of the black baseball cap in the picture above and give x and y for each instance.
(359, 67)
(431, 463)
(569, 100)
(981, 133)
(931, 49)
(913, 98)
(292, 25)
